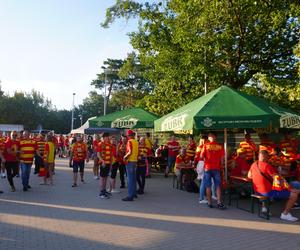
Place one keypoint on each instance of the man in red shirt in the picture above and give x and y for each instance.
(213, 154)
(262, 175)
(11, 158)
(173, 150)
(240, 166)
(104, 153)
(78, 155)
(250, 147)
(121, 151)
(2, 143)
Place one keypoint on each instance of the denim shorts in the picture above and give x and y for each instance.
(212, 174)
(278, 195)
(295, 184)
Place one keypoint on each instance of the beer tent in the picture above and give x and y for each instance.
(131, 118)
(226, 108)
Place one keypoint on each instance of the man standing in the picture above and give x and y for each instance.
(104, 152)
(38, 161)
(11, 158)
(2, 143)
(96, 141)
(48, 159)
(28, 148)
(213, 154)
(173, 150)
(149, 158)
(250, 147)
(78, 155)
(141, 165)
(121, 151)
(131, 157)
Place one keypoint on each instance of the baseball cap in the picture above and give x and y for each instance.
(130, 132)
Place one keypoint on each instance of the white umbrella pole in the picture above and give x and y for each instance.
(225, 152)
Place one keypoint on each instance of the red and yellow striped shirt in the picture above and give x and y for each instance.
(105, 151)
(28, 148)
(250, 148)
(79, 151)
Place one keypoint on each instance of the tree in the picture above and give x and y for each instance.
(91, 106)
(182, 44)
(126, 81)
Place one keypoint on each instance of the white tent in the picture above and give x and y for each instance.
(81, 129)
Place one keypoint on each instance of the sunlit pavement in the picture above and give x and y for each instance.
(62, 217)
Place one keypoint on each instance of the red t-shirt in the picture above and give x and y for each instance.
(241, 166)
(14, 147)
(260, 183)
(212, 153)
(173, 151)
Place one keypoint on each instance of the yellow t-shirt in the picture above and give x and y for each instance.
(134, 146)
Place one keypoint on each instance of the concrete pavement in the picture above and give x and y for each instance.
(62, 217)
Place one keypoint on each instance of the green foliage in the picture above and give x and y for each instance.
(91, 106)
(126, 82)
(182, 44)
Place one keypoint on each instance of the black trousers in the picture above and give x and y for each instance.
(141, 176)
(38, 161)
(122, 171)
(12, 169)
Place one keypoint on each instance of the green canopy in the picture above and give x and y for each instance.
(128, 118)
(227, 108)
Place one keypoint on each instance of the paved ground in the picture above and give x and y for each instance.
(61, 217)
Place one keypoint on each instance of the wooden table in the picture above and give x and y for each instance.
(240, 183)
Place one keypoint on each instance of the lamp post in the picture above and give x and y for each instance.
(72, 119)
(106, 71)
(80, 117)
(105, 82)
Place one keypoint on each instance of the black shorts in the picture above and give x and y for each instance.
(104, 170)
(78, 164)
(114, 170)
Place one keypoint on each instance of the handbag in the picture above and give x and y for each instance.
(200, 169)
(278, 182)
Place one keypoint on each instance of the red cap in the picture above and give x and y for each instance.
(130, 132)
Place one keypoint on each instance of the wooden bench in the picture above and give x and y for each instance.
(260, 200)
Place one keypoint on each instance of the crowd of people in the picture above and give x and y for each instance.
(261, 163)
(129, 156)
(132, 157)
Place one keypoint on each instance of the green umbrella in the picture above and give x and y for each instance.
(127, 118)
(227, 108)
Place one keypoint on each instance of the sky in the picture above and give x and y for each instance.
(57, 46)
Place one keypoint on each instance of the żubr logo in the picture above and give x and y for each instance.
(100, 124)
(174, 123)
(288, 120)
(208, 122)
(124, 122)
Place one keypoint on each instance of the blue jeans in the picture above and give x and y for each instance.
(171, 163)
(131, 178)
(202, 190)
(25, 168)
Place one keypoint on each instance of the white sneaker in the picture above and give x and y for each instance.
(115, 191)
(3, 175)
(203, 201)
(95, 177)
(214, 197)
(264, 210)
(288, 217)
